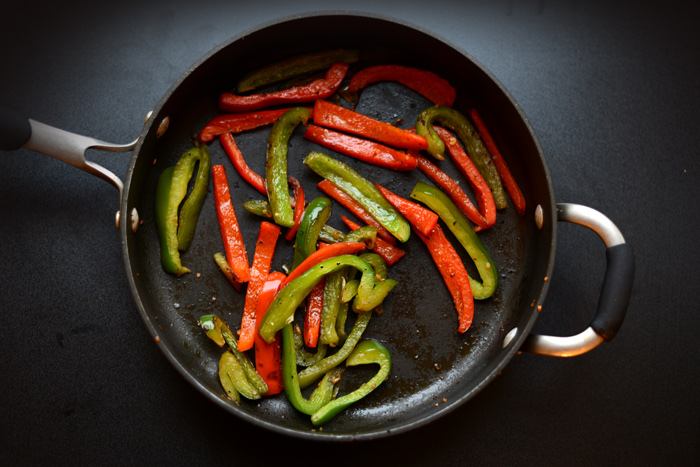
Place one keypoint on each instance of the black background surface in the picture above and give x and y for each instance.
(611, 89)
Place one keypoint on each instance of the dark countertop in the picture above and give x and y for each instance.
(611, 89)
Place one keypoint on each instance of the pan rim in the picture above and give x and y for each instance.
(127, 234)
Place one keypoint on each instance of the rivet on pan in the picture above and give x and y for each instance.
(117, 218)
(509, 337)
(163, 127)
(539, 216)
(148, 116)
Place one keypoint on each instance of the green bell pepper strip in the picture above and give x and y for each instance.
(258, 207)
(331, 235)
(361, 190)
(331, 307)
(370, 292)
(463, 231)
(192, 206)
(290, 378)
(366, 352)
(234, 379)
(340, 323)
(304, 357)
(315, 216)
(276, 164)
(166, 223)
(457, 122)
(313, 373)
(349, 291)
(218, 331)
(377, 263)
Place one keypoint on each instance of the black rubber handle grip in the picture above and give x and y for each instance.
(615, 292)
(15, 129)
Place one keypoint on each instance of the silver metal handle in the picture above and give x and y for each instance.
(614, 295)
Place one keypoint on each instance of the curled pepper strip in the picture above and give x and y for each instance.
(459, 226)
(339, 118)
(508, 180)
(299, 203)
(484, 197)
(313, 219)
(361, 149)
(389, 253)
(366, 352)
(370, 293)
(295, 66)
(466, 133)
(236, 254)
(236, 158)
(262, 261)
(276, 180)
(312, 318)
(422, 219)
(237, 123)
(362, 191)
(426, 83)
(319, 89)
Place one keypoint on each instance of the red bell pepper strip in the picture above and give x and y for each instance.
(354, 207)
(262, 261)
(453, 273)
(237, 123)
(453, 189)
(362, 149)
(330, 251)
(509, 182)
(234, 154)
(268, 356)
(319, 89)
(236, 254)
(312, 319)
(426, 83)
(421, 218)
(299, 202)
(339, 118)
(484, 197)
(389, 253)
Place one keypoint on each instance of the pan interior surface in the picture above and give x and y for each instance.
(435, 368)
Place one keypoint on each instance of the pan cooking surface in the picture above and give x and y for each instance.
(434, 367)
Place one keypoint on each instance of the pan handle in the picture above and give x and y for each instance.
(17, 131)
(615, 292)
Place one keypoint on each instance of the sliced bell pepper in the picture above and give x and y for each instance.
(236, 254)
(334, 116)
(453, 273)
(466, 133)
(331, 307)
(237, 123)
(218, 331)
(220, 260)
(295, 66)
(459, 226)
(314, 218)
(299, 203)
(262, 261)
(268, 356)
(319, 89)
(362, 191)
(422, 219)
(509, 182)
(236, 158)
(312, 318)
(366, 352)
(276, 180)
(259, 207)
(313, 373)
(175, 224)
(362, 149)
(389, 253)
(337, 249)
(484, 197)
(426, 83)
(356, 208)
(369, 295)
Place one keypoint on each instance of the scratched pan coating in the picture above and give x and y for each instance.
(432, 362)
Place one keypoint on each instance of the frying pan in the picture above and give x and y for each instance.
(435, 368)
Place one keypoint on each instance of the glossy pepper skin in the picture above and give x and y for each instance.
(276, 164)
(366, 352)
(439, 202)
(369, 295)
(175, 224)
(362, 190)
(457, 122)
(315, 216)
